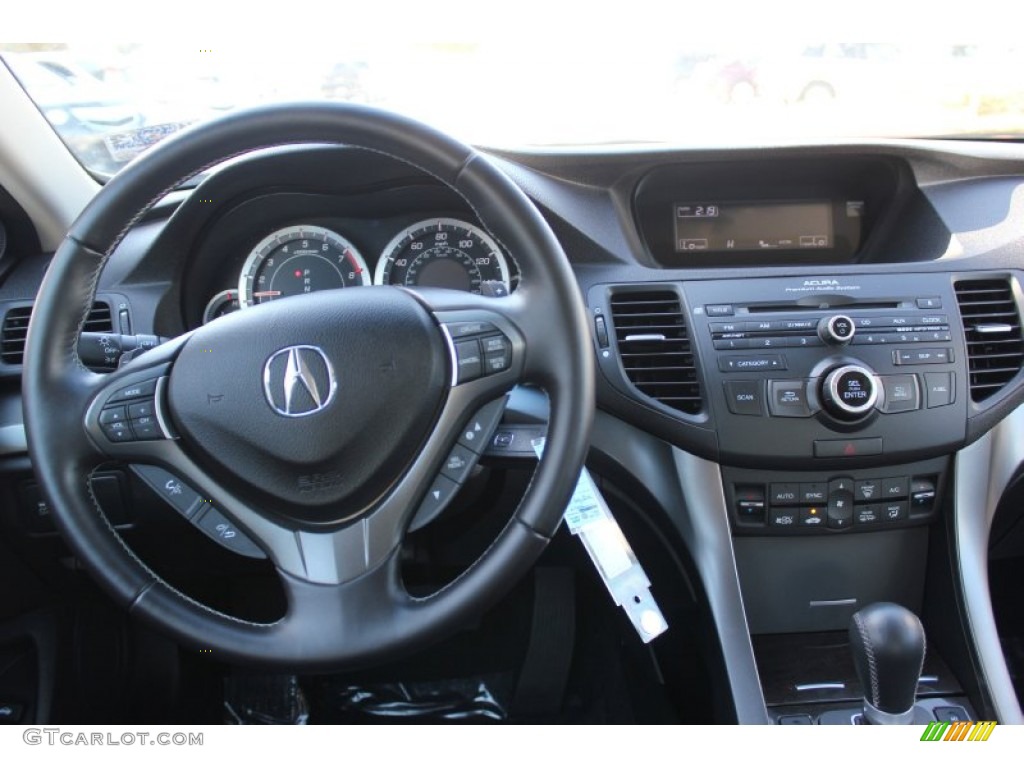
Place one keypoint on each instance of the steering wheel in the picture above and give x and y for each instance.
(325, 486)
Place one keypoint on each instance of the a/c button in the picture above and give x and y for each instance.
(745, 397)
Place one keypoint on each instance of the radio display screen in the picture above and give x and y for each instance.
(713, 226)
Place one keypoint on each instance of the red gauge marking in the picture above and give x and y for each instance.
(298, 273)
(264, 294)
(355, 264)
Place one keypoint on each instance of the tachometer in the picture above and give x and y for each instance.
(300, 259)
(444, 253)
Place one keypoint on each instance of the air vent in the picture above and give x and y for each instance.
(654, 347)
(15, 327)
(992, 329)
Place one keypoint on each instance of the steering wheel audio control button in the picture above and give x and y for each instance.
(134, 392)
(146, 428)
(172, 490)
(113, 415)
(117, 432)
(224, 532)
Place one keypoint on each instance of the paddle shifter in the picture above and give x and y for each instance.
(887, 642)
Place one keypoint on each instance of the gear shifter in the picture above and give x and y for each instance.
(887, 642)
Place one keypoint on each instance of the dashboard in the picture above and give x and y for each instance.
(811, 339)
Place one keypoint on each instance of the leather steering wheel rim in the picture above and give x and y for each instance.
(369, 616)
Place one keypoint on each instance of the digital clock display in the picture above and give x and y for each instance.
(753, 226)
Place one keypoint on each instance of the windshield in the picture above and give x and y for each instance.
(110, 102)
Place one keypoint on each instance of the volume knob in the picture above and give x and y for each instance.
(836, 330)
(849, 392)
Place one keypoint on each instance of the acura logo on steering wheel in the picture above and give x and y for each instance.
(299, 381)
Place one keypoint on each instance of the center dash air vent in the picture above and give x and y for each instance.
(15, 328)
(654, 347)
(992, 328)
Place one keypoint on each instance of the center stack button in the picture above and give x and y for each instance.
(840, 503)
(836, 330)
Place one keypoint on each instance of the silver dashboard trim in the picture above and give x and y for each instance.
(710, 542)
(983, 472)
(12, 440)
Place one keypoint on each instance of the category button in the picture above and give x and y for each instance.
(740, 363)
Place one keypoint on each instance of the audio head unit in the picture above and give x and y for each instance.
(835, 371)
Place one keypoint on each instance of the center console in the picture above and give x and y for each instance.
(836, 404)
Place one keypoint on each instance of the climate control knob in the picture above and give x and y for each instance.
(836, 330)
(849, 392)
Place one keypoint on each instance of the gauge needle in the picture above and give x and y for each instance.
(263, 294)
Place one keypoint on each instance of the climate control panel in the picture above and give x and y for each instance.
(798, 503)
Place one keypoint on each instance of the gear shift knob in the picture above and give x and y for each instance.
(888, 643)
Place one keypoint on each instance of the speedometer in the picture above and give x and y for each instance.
(444, 253)
(297, 260)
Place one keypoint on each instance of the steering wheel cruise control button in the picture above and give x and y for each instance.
(224, 532)
(470, 363)
(497, 354)
(469, 328)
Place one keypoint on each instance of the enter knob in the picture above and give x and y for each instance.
(836, 330)
(849, 392)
